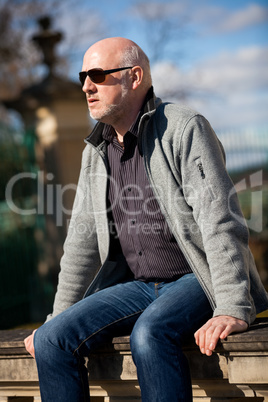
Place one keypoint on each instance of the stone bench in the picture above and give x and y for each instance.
(237, 370)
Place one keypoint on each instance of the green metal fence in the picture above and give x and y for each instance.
(22, 290)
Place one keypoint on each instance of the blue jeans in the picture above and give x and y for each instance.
(159, 316)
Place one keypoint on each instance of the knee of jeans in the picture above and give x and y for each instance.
(44, 337)
(142, 336)
(40, 339)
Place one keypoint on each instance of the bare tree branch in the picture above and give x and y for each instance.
(164, 26)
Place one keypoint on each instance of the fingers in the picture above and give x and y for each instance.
(29, 344)
(217, 328)
(208, 336)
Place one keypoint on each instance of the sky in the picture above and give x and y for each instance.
(209, 54)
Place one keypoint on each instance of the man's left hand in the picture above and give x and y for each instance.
(217, 328)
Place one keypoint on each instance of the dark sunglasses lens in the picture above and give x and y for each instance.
(82, 77)
(95, 76)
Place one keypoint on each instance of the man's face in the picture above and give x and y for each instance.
(107, 100)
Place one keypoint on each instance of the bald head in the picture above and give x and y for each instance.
(113, 46)
(120, 52)
(119, 96)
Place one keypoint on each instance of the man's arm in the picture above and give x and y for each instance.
(81, 258)
(225, 238)
(210, 193)
(217, 328)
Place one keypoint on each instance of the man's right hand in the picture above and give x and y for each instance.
(29, 344)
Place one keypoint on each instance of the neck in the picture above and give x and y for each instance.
(126, 120)
(121, 127)
(120, 140)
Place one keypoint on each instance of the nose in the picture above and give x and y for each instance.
(88, 86)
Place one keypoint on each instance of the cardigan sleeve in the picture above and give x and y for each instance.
(210, 193)
(81, 258)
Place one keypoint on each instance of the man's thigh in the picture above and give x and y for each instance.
(180, 308)
(97, 318)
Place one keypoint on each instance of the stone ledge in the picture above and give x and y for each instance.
(237, 370)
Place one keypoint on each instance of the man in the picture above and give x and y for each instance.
(154, 244)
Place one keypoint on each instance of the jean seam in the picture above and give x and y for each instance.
(85, 393)
(106, 326)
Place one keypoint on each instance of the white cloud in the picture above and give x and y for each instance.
(231, 89)
(244, 70)
(217, 19)
(169, 81)
(251, 15)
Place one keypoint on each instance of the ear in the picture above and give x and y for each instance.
(137, 75)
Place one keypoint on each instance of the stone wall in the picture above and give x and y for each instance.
(237, 370)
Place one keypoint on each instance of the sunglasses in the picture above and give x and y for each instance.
(97, 75)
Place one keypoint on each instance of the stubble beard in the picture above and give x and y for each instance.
(113, 112)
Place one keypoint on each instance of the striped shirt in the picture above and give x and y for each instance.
(147, 243)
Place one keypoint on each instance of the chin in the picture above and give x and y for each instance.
(108, 115)
(95, 116)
